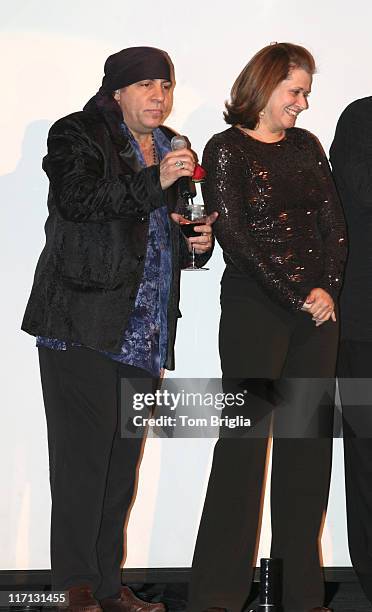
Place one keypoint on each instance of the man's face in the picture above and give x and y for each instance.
(145, 104)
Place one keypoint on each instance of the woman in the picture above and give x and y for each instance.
(282, 233)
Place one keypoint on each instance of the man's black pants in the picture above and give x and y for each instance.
(92, 469)
(355, 384)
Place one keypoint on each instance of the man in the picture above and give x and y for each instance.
(104, 306)
(351, 157)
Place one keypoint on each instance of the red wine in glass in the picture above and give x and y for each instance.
(187, 227)
(192, 215)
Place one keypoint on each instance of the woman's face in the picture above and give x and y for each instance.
(287, 101)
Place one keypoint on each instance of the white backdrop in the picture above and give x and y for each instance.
(52, 57)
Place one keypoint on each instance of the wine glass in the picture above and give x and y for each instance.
(192, 214)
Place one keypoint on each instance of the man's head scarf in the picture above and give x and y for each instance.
(135, 64)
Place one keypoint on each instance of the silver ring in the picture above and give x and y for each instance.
(179, 163)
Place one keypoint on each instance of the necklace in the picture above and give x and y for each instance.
(155, 158)
(149, 152)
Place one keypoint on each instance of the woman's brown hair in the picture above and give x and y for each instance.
(257, 81)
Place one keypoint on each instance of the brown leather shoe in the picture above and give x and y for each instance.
(128, 602)
(81, 600)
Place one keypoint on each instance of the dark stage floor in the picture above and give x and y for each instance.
(342, 597)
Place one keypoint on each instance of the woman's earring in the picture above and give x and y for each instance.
(262, 113)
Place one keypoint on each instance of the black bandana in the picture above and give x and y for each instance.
(135, 64)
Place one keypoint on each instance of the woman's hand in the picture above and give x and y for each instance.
(320, 305)
(174, 165)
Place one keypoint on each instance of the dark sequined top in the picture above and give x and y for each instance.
(280, 220)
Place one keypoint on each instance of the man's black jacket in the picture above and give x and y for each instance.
(89, 271)
(351, 158)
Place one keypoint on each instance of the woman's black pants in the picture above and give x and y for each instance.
(92, 468)
(287, 366)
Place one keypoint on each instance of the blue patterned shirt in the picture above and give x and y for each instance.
(146, 335)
